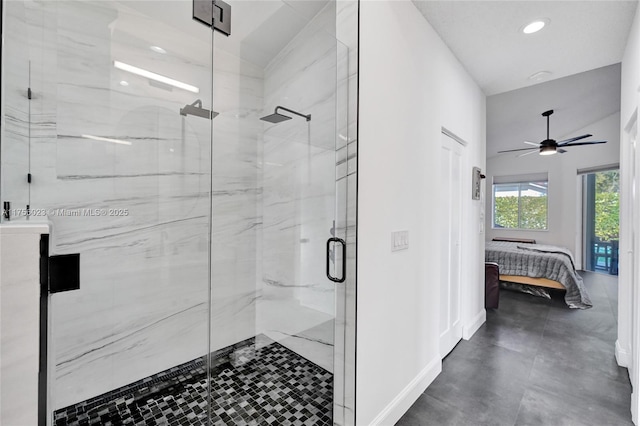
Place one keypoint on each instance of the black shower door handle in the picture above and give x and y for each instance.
(344, 259)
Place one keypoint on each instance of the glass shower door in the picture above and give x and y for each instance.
(276, 329)
(201, 179)
(119, 135)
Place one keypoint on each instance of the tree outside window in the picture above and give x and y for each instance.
(607, 208)
(520, 205)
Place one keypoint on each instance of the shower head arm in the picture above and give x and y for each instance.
(196, 109)
(308, 117)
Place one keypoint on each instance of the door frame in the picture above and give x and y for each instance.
(624, 342)
(461, 144)
(628, 343)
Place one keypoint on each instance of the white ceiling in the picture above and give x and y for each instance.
(485, 36)
(577, 101)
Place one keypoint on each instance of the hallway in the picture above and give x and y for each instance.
(534, 362)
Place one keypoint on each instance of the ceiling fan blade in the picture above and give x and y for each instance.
(561, 151)
(583, 143)
(527, 153)
(532, 143)
(513, 150)
(577, 138)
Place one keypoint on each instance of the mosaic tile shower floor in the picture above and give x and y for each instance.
(271, 385)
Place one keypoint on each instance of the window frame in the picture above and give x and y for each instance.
(519, 182)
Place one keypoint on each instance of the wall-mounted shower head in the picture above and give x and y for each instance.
(276, 117)
(197, 110)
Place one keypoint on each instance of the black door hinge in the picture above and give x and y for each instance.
(29, 93)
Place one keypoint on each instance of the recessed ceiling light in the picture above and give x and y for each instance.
(540, 75)
(535, 26)
(124, 83)
(158, 49)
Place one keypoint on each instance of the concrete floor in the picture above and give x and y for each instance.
(534, 362)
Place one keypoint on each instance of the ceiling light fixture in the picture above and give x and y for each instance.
(535, 26)
(547, 150)
(157, 77)
(124, 83)
(540, 75)
(158, 49)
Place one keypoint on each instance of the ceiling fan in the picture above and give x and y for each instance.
(550, 146)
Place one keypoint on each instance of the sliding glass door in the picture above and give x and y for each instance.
(601, 206)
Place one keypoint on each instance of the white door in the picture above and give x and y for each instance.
(451, 210)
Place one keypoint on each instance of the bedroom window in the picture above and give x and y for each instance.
(520, 202)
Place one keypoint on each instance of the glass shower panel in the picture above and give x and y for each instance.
(15, 140)
(120, 148)
(274, 310)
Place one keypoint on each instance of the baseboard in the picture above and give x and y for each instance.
(405, 399)
(623, 356)
(470, 329)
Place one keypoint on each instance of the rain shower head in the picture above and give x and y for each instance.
(276, 117)
(197, 110)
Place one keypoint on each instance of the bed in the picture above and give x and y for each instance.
(539, 265)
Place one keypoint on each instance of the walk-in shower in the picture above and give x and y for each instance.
(208, 291)
(276, 117)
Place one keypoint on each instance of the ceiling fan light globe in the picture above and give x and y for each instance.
(547, 150)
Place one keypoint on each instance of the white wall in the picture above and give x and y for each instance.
(562, 169)
(629, 102)
(631, 71)
(410, 87)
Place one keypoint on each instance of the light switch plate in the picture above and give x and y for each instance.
(399, 240)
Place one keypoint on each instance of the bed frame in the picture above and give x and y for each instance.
(540, 282)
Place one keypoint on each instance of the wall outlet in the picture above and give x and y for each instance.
(399, 240)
